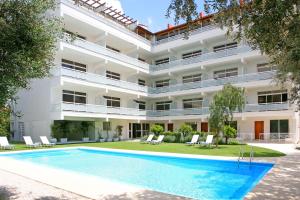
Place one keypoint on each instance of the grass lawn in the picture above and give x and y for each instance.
(222, 150)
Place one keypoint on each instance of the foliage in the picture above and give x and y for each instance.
(5, 121)
(156, 129)
(73, 130)
(225, 102)
(269, 25)
(27, 43)
(232, 141)
(185, 130)
(183, 9)
(229, 132)
(119, 129)
(170, 139)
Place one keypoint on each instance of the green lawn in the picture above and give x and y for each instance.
(222, 150)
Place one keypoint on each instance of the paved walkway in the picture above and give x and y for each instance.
(287, 149)
(282, 182)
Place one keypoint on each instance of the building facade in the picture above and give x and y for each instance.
(113, 72)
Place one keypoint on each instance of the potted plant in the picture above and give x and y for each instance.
(115, 137)
(101, 139)
(119, 129)
(84, 129)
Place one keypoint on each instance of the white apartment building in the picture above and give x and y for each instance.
(116, 72)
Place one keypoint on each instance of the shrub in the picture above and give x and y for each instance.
(233, 141)
(170, 139)
(185, 130)
(229, 132)
(156, 129)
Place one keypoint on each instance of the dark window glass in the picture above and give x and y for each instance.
(113, 75)
(225, 46)
(141, 82)
(274, 126)
(106, 126)
(191, 54)
(162, 83)
(112, 101)
(162, 61)
(112, 48)
(74, 97)
(73, 65)
(164, 105)
(68, 98)
(284, 126)
(80, 99)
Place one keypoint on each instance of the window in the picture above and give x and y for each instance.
(225, 46)
(76, 34)
(162, 83)
(277, 96)
(193, 125)
(142, 82)
(192, 54)
(162, 61)
(192, 103)
(279, 129)
(73, 65)
(111, 48)
(263, 67)
(233, 124)
(112, 101)
(171, 127)
(142, 104)
(106, 126)
(113, 75)
(226, 73)
(74, 97)
(191, 78)
(163, 105)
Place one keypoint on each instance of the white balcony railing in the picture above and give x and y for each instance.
(201, 58)
(102, 109)
(96, 48)
(99, 79)
(214, 82)
(96, 78)
(181, 36)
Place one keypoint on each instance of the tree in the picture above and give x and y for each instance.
(4, 121)
(27, 43)
(273, 26)
(185, 130)
(225, 102)
(156, 129)
(229, 132)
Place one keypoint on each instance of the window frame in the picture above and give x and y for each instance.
(192, 78)
(226, 46)
(165, 104)
(162, 83)
(74, 96)
(192, 102)
(112, 75)
(69, 64)
(268, 97)
(228, 72)
(162, 61)
(110, 101)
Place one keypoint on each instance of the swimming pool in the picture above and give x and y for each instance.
(188, 177)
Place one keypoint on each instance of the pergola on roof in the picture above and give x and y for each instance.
(108, 11)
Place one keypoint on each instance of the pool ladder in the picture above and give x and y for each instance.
(241, 155)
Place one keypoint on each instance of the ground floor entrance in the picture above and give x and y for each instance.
(138, 130)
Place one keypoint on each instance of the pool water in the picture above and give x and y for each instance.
(188, 177)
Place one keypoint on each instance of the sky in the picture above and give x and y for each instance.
(149, 12)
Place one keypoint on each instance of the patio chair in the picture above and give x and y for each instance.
(149, 139)
(158, 141)
(45, 141)
(4, 144)
(29, 143)
(194, 140)
(208, 142)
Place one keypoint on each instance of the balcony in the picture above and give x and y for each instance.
(105, 20)
(98, 79)
(200, 58)
(180, 36)
(102, 109)
(109, 54)
(214, 82)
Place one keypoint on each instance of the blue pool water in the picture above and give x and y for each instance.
(194, 178)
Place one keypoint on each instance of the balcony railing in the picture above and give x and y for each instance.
(180, 36)
(201, 58)
(214, 82)
(96, 78)
(102, 109)
(105, 51)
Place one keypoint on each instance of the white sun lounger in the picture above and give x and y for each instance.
(46, 142)
(4, 144)
(29, 143)
(194, 140)
(149, 139)
(159, 140)
(208, 142)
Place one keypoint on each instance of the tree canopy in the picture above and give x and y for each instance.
(28, 36)
(273, 26)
